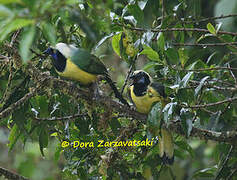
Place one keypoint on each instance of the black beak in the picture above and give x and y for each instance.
(47, 51)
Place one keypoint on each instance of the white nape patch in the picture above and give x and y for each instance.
(65, 49)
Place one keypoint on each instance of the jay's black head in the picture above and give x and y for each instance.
(59, 60)
(141, 78)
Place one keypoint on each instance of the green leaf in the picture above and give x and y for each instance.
(49, 33)
(136, 12)
(150, 53)
(183, 56)
(26, 42)
(115, 43)
(183, 83)
(5, 12)
(169, 111)
(9, 1)
(43, 139)
(154, 118)
(102, 41)
(198, 89)
(161, 41)
(14, 25)
(115, 125)
(208, 172)
(211, 28)
(185, 146)
(14, 136)
(172, 55)
(186, 121)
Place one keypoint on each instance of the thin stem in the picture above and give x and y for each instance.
(204, 45)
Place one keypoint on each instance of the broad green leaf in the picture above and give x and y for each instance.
(26, 42)
(5, 12)
(49, 33)
(197, 90)
(14, 25)
(161, 41)
(211, 28)
(185, 146)
(43, 139)
(169, 111)
(154, 118)
(14, 136)
(102, 41)
(142, 4)
(172, 55)
(9, 1)
(186, 121)
(150, 53)
(115, 43)
(183, 56)
(183, 83)
(136, 12)
(208, 172)
(150, 65)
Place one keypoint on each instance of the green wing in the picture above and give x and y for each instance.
(88, 62)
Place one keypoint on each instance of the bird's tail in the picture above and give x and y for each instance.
(115, 90)
(166, 147)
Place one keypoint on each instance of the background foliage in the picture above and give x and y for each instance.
(177, 41)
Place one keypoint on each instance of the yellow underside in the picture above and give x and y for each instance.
(73, 72)
(144, 103)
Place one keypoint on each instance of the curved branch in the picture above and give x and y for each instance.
(11, 175)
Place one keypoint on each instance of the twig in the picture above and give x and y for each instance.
(224, 163)
(225, 136)
(9, 82)
(204, 45)
(17, 104)
(232, 74)
(212, 104)
(163, 11)
(232, 174)
(210, 18)
(206, 69)
(176, 29)
(60, 118)
(14, 37)
(127, 77)
(11, 175)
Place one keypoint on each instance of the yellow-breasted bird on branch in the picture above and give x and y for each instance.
(144, 93)
(78, 64)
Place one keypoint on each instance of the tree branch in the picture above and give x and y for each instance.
(212, 104)
(60, 118)
(210, 18)
(204, 45)
(11, 175)
(176, 29)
